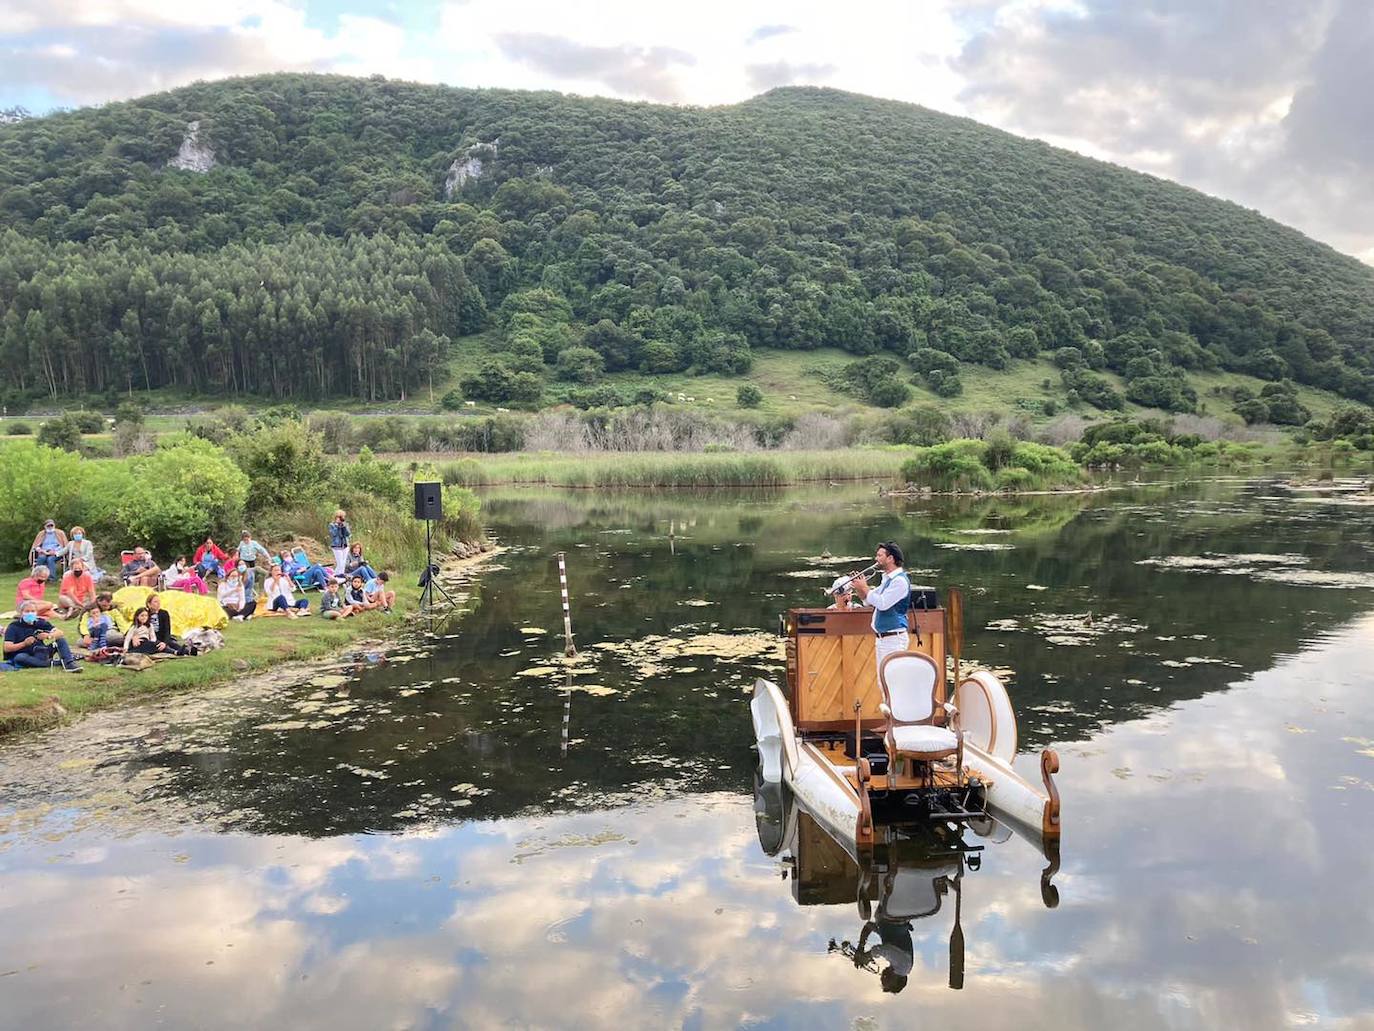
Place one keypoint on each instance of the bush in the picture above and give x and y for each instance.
(170, 499)
(87, 421)
(462, 510)
(748, 396)
(579, 365)
(452, 401)
(285, 463)
(335, 430)
(955, 466)
(36, 483)
(18, 429)
(129, 413)
(890, 394)
(63, 432)
(370, 477)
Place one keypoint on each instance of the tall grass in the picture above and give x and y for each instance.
(658, 469)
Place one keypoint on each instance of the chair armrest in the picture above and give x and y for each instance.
(885, 710)
(951, 708)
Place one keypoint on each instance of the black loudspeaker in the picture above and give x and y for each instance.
(429, 501)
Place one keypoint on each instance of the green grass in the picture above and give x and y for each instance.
(673, 469)
(259, 642)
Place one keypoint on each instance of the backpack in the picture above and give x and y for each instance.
(203, 639)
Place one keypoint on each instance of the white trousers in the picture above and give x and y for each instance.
(885, 646)
(340, 560)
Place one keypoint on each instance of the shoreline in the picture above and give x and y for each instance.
(297, 643)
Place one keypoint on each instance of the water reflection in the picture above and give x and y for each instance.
(458, 845)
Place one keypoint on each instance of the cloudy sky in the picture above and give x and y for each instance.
(1267, 102)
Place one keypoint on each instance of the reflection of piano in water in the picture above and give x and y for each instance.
(904, 880)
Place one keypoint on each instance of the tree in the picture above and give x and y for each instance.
(579, 365)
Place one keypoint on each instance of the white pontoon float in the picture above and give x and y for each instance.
(865, 753)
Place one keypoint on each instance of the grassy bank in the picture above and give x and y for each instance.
(670, 469)
(254, 645)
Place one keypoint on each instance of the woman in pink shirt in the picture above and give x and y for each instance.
(32, 588)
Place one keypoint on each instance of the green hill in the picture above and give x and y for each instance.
(311, 237)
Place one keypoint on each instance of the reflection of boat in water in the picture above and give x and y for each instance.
(909, 877)
(867, 752)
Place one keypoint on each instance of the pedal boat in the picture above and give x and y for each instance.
(806, 737)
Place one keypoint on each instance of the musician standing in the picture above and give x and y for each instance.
(889, 601)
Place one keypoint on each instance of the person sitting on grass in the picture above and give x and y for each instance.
(99, 628)
(141, 637)
(356, 596)
(80, 548)
(210, 558)
(232, 597)
(30, 642)
(332, 605)
(279, 595)
(161, 623)
(49, 545)
(33, 588)
(357, 564)
(189, 581)
(77, 593)
(141, 570)
(377, 591)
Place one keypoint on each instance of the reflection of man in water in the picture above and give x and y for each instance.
(894, 946)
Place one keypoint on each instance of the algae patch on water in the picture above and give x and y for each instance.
(1287, 569)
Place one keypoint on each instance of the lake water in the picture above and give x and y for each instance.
(451, 837)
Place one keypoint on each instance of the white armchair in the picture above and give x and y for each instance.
(908, 681)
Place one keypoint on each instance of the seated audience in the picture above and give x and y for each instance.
(332, 605)
(190, 581)
(210, 558)
(99, 627)
(232, 597)
(80, 548)
(161, 622)
(49, 546)
(297, 565)
(33, 588)
(280, 597)
(77, 592)
(376, 590)
(356, 596)
(141, 570)
(31, 641)
(357, 564)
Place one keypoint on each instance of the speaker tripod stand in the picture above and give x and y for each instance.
(430, 581)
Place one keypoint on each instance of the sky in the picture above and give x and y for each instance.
(1269, 103)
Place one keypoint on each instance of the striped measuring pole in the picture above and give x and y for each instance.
(570, 650)
(567, 715)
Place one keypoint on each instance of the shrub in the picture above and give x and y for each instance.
(370, 477)
(890, 394)
(285, 464)
(36, 483)
(955, 466)
(462, 510)
(452, 401)
(748, 396)
(579, 365)
(87, 421)
(167, 500)
(18, 429)
(63, 432)
(129, 413)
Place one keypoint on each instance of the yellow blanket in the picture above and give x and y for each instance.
(188, 611)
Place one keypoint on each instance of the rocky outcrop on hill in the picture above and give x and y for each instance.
(470, 165)
(195, 154)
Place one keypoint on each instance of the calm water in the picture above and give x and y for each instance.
(419, 842)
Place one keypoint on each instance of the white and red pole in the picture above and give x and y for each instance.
(570, 650)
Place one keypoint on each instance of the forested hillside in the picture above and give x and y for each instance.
(313, 236)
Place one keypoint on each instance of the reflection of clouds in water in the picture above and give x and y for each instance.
(1279, 569)
(1197, 893)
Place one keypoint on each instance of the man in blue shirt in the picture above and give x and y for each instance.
(30, 642)
(889, 601)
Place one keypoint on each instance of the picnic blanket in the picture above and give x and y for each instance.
(188, 611)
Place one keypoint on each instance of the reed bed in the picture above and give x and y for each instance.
(669, 469)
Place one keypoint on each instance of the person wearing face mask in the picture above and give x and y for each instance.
(80, 547)
(49, 546)
(30, 642)
(76, 594)
(233, 598)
